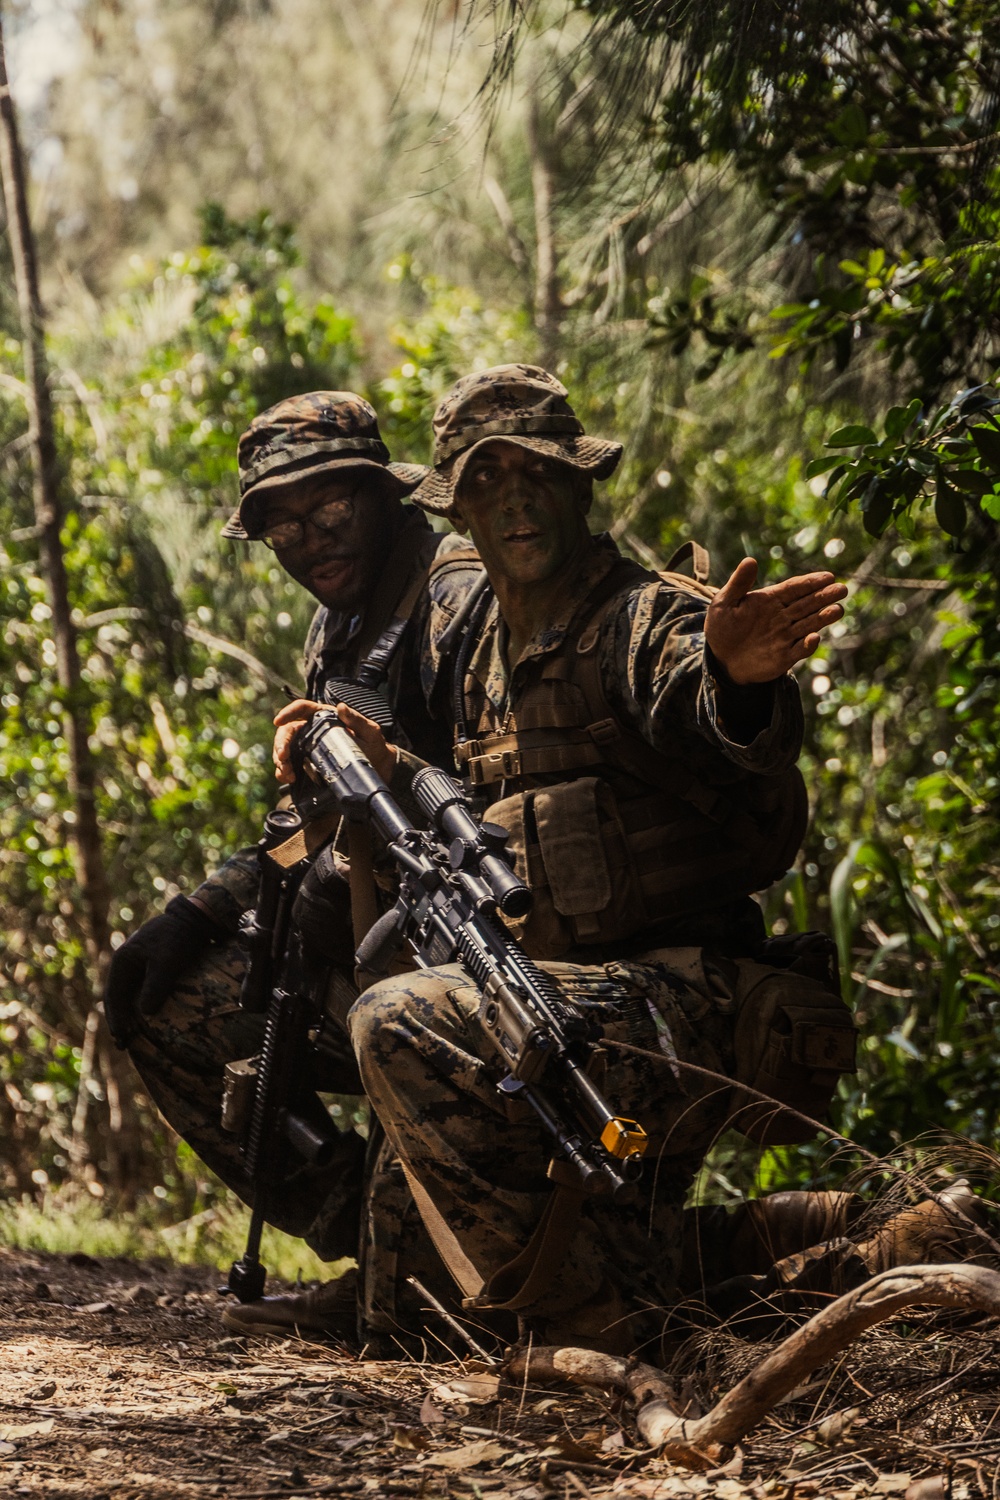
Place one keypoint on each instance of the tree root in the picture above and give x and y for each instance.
(701, 1442)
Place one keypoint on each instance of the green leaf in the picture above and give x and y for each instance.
(851, 125)
(949, 507)
(842, 906)
(987, 440)
(899, 418)
(895, 422)
(876, 506)
(822, 465)
(850, 436)
(849, 487)
(972, 481)
(991, 505)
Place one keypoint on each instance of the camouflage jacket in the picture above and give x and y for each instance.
(657, 672)
(658, 677)
(335, 646)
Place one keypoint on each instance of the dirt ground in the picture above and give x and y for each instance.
(117, 1379)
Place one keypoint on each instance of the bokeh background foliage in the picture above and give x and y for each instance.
(771, 271)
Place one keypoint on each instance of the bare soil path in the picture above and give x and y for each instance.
(117, 1380)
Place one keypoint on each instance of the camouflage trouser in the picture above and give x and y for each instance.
(180, 1054)
(345, 1209)
(478, 1162)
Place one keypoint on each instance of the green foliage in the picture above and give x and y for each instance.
(945, 457)
(180, 727)
(448, 331)
(71, 1223)
(869, 132)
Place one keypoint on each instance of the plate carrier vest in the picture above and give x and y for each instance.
(611, 834)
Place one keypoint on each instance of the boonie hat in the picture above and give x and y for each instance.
(305, 435)
(521, 404)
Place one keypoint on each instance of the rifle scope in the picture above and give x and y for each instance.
(478, 847)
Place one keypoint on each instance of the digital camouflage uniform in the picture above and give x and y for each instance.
(477, 1164)
(181, 1050)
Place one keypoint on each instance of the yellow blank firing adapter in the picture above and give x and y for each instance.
(624, 1138)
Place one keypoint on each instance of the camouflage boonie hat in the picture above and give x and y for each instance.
(521, 404)
(302, 436)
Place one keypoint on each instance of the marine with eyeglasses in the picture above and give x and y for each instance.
(316, 487)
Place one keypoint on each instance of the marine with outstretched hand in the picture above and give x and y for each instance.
(636, 735)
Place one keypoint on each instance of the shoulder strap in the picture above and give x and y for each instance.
(594, 609)
(694, 553)
(462, 555)
(402, 581)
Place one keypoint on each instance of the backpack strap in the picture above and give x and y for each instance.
(694, 553)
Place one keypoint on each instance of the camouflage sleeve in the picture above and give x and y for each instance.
(313, 648)
(658, 670)
(448, 588)
(231, 889)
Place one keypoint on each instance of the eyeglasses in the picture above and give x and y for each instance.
(328, 517)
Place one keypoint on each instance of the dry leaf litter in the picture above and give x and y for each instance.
(118, 1380)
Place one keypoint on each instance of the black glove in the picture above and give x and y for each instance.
(146, 968)
(322, 910)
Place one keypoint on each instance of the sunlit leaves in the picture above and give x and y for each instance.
(145, 560)
(941, 458)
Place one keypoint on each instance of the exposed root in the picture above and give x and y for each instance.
(700, 1442)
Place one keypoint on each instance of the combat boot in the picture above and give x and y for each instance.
(719, 1243)
(927, 1233)
(329, 1311)
(766, 1230)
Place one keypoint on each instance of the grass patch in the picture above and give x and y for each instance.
(69, 1220)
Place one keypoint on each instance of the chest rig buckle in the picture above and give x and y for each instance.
(498, 766)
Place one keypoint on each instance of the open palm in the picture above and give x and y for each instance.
(759, 634)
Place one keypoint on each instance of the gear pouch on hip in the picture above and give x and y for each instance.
(794, 1040)
(569, 846)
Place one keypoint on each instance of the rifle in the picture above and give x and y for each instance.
(282, 1119)
(454, 880)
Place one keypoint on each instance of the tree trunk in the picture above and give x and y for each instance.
(548, 303)
(85, 833)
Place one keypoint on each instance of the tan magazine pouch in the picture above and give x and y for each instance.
(569, 845)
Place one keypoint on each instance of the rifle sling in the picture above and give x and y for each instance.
(467, 1278)
(364, 905)
(305, 841)
(522, 1281)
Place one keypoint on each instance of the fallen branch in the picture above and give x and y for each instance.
(699, 1442)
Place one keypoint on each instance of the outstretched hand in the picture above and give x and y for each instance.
(759, 634)
(290, 719)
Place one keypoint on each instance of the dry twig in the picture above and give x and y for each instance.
(699, 1442)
